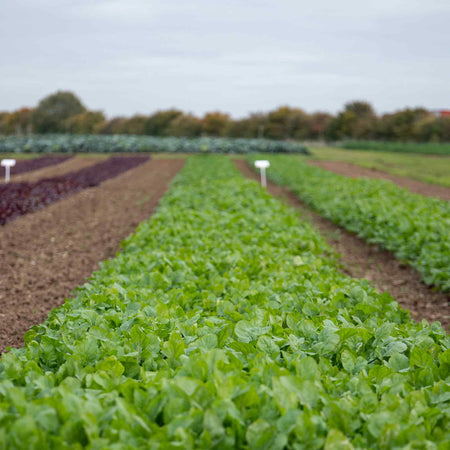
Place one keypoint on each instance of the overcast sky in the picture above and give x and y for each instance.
(238, 56)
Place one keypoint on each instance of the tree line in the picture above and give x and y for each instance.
(63, 112)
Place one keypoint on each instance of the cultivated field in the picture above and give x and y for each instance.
(431, 169)
(231, 317)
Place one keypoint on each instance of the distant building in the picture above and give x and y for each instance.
(441, 112)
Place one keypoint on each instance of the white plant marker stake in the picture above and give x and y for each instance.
(262, 165)
(7, 164)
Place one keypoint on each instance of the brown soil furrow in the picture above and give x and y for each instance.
(415, 186)
(46, 254)
(71, 165)
(362, 260)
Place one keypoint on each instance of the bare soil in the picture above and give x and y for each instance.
(353, 171)
(71, 165)
(46, 254)
(362, 260)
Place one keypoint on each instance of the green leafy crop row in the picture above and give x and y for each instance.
(225, 324)
(414, 227)
(120, 143)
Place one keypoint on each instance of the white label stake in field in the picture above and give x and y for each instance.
(7, 164)
(262, 165)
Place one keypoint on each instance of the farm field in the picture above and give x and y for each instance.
(71, 164)
(359, 259)
(32, 164)
(17, 199)
(225, 322)
(426, 168)
(48, 253)
(414, 227)
(431, 148)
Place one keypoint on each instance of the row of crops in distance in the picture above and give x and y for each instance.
(17, 199)
(432, 148)
(414, 227)
(122, 143)
(27, 165)
(225, 323)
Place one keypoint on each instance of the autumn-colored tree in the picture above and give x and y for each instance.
(158, 123)
(318, 123)
(185, 125)
(5, 123)
(445, 128)
(249, 127)
(53, 110)
(135, 125)
(400, 125)
(20, 121)
(215, 123)
(432, 129)
(361, 109)
(357, 121)
(113, 126)
(84, 123)
(287, 123)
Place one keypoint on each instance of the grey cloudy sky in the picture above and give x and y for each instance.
(129, 56)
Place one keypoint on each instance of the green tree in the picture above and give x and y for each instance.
(20, 121)
(185, 125)
(401, 125)
(215, 123)
(5, 123)
(114, 126)
(135, 125)
(84, 123)
(357, 121)
(158, 123)
(318, 123)
(361, 109)
(53, 110)
(253, 126)
(432, 129)
(287, 123)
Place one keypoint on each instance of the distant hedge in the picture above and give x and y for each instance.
(132, 144)
(401, 147)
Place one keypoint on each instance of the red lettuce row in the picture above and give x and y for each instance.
(27, 165)
(17, 199)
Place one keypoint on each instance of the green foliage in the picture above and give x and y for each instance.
(215, 123)
(225, 324)
(185, 125)
(402, 147)
(358, 121)
(287, 123)
(158, 123)
(112, 144)
(53, 110)
(414, 227)
(435, 170)
(84, 123)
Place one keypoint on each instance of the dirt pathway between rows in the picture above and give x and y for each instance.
(71, 165)
(362, 260)
(353, 170)
(46, 254)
